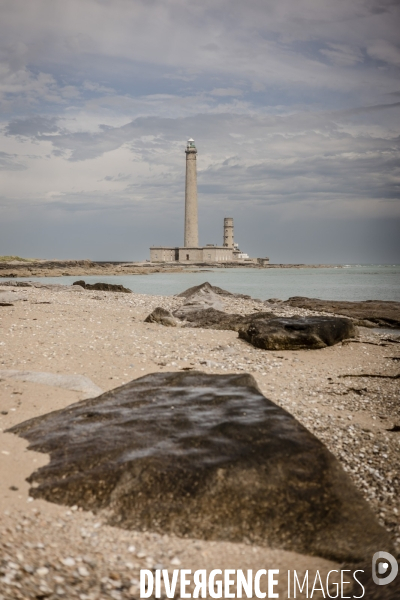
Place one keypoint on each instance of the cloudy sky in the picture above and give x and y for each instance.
(294, 106)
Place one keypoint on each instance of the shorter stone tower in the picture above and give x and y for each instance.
(228, 232)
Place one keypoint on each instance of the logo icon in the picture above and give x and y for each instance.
(385, 564)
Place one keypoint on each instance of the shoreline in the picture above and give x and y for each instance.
(103, 336)
(60, 268)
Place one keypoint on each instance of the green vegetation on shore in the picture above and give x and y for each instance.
(9, 258)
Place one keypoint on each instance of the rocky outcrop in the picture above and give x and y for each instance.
(103, 287)
(54, 287)
(216, 319)
(204, 456)
(297, 333)
(369, 312)
(208, 318)
(203, 309)
(201, 299)
(162, 317)
(45, 264)
(213, 288)
(80, 268)
(204, 305)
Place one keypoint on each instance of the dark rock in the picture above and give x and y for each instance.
(217, 290)
(203, 308)
(162, 316)
(217, 319)
(297, 333)
(208, 318)
(205, 456)
(103, 287)
(381, 313)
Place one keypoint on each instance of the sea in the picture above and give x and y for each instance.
(347, 282)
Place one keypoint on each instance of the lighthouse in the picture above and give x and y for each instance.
(191, 252)
(191, 239)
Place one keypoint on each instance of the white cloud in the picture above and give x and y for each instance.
(385, 51)
(342, 55)
(299, 157)
(283, 99)
(226, 92)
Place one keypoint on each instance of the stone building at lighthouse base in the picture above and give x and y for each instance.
(201, 254)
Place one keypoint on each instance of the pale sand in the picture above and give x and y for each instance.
(102, 336)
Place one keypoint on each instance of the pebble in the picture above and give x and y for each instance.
(68, 562)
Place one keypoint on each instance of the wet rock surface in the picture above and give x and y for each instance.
(162, 316)
(297, 333)
(379, 312)
(103, 287)
(206, 456)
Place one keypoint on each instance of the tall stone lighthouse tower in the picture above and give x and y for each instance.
(191, 217)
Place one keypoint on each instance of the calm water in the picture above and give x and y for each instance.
(369, 282)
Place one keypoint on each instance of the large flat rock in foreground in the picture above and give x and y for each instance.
(382, 313)
(204, 456)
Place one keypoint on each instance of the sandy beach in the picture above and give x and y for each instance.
(52, 551)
